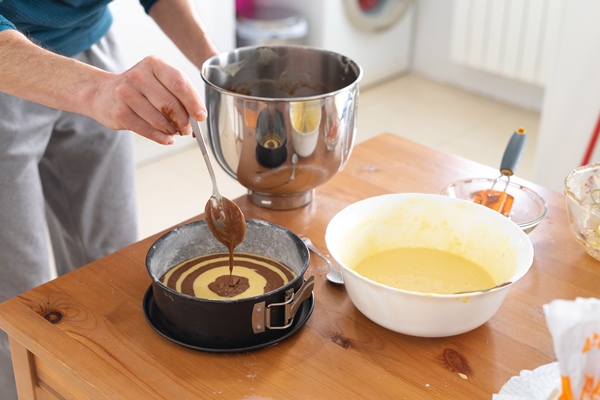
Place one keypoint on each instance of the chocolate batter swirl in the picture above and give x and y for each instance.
(208, 276)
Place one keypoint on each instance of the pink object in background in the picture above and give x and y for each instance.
(592, 144)
(367, 5)
(244, 6)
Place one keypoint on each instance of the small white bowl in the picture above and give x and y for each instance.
(462, 227)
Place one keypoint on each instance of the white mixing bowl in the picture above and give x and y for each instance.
(470, 230)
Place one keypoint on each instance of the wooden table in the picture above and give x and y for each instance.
(84, 335)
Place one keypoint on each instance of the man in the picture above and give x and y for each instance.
(66, 153)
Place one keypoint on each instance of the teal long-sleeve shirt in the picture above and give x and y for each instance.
(66, 27)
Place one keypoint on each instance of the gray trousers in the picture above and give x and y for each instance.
(69, 173)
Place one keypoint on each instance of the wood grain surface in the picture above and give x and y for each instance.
(84, 335)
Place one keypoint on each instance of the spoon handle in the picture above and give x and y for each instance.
(200, 140)
(486, 290)
(312, 248)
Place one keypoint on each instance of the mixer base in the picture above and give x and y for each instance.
(281, 201)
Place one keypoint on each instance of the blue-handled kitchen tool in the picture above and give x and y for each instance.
(496, 199)
(512, 154)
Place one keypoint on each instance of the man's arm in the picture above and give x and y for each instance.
(180, 22)
(152, 98)
(30, 72)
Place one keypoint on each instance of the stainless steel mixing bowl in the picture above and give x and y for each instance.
(281, 119)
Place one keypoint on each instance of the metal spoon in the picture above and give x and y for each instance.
(486, 290)
(224, 218)
(333, 275)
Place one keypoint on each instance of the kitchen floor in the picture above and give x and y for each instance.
(175, 188)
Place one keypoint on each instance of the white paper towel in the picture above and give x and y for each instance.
(543, 383)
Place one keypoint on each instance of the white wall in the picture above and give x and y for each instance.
(139, 37)
(431, 59)
(572, 102)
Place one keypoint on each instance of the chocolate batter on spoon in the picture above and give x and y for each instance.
(224, 218)
(226, 222)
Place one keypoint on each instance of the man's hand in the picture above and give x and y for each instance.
(152, 99)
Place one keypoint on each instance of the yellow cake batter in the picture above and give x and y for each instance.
(425, 270)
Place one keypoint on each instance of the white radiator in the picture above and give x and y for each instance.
(511, 38)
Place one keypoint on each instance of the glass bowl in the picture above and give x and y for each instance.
(582, 194)
(527, 210)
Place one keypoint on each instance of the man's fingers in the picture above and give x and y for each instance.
(139, 125)
(153, 102)
(182, 88)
